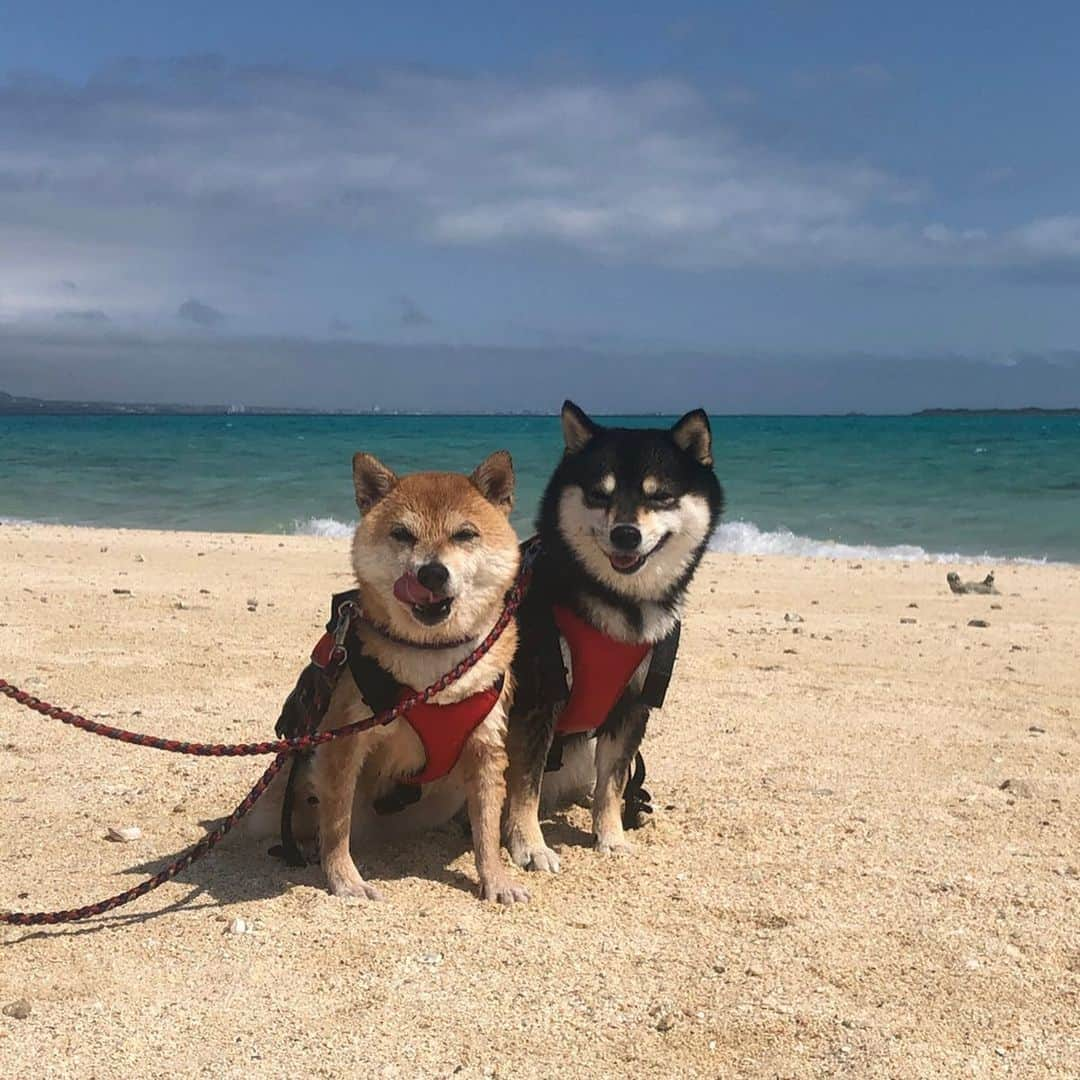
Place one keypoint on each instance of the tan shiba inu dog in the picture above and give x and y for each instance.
(434, 555)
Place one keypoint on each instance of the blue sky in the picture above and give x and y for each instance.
(802, 183)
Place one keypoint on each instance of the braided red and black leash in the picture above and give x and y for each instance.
(274, 746)
(177, 866)
(283, 748)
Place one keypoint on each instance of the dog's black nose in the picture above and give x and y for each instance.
(626, 537)
(433, 576)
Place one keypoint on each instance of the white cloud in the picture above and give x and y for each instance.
(123, 183)
(1053, 238)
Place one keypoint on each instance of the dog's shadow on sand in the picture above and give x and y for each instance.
(241, 870)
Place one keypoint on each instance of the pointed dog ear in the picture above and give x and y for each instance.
(693, 434)
(494, 479)
(577, 428)
(371, 479)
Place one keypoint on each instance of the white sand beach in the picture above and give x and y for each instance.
(865, 859)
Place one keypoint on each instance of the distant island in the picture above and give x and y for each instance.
(1029, 410)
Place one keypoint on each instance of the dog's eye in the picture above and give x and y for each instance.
(661, 498)
(598, 497)
(464, 535)
(402, 535)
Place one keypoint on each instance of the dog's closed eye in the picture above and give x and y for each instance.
(465, 534)
(402, 535)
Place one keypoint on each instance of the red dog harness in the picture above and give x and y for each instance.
(444, 729)
(602, 670)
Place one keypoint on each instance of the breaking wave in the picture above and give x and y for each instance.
(745, 538)
(324, 526)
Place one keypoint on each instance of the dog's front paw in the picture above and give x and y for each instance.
(345, 884)
(534, 857)
(613, 845)
(503, 891)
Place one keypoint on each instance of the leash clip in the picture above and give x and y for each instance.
(348, 611)
(331, 652)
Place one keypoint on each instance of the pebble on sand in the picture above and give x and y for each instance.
(981, 623)
(1020, 788)
(238, 926)
(123, 834)
(19, 1009)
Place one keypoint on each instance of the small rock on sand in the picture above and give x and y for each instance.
(238, 926)
(908, 621)
(19, 1009)
(981, 623)
(1019, 788)
(122, 592)
(123, 834)
(792, 617)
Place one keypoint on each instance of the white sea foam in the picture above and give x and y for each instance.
(324, 526)
(745, 538)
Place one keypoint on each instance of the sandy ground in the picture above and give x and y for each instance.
(837, 883)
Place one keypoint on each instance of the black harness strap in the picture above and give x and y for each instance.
(661, 667)
(305, 706)
(637, 802)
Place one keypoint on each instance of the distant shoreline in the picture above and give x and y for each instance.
(13, 405)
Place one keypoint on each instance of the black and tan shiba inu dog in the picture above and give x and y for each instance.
(434, 555)
(623, 524)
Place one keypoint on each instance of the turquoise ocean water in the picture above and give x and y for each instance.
(901, 487)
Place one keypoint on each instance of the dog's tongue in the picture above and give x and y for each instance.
(408, 590)
(623, 562)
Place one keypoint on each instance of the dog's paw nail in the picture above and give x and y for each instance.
(543, 859)
(613, 847)
(504, 893)
(355, 890)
